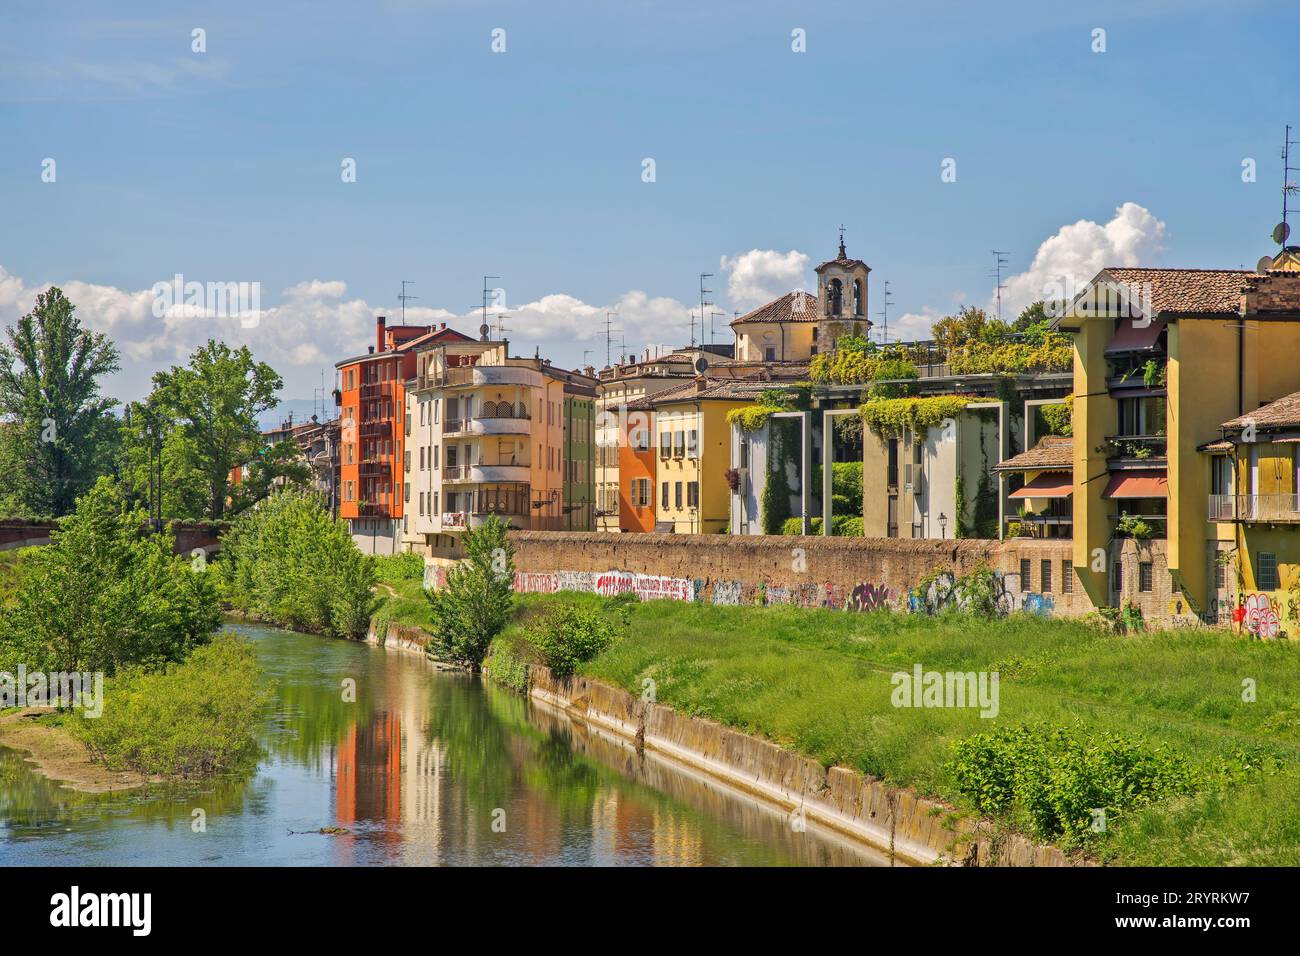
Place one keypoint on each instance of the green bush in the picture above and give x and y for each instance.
(289, 561)
(392, 568)
(103, 596)
(474, 605)
(1059, 779)
(569, 635)
(847, 527)
(795, 526)
(188, 720)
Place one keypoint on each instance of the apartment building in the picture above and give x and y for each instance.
(1254, 509)
(620, 386)
(371, 396)
(1166, 360)
(494, 434)
(690, 439)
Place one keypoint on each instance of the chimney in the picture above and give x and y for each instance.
(701, 383)
(441, 327)
(380, 323)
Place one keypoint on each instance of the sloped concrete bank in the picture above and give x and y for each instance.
(400, 637)
(913, 830)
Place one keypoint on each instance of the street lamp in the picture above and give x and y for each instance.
(943, 524)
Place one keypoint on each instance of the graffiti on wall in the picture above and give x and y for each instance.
(1259, 617)
(648, 587)
(869, 597)
(946, 592)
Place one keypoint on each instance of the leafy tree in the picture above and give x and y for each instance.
(289, 561)
(57, 427)
(474, 605)
(185, 492)
(102, 596)
(276, 466)
(216, 400)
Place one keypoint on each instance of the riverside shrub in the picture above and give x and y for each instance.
(104, 595)
(187, 720)
(289, 561)
(1061, 778)
(570, 635)
(474, 605)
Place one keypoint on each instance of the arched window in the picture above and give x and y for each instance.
(834, 297)
(859, 303)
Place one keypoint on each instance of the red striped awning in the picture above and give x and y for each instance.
(1049, 484)
(1137, 484)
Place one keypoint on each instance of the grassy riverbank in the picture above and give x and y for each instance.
(819, 682)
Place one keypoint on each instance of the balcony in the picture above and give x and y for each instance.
(1040, 526)
(466, 520)
(1266, 509)
(475, 375)
(1135, 451)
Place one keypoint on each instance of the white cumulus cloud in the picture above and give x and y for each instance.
(1067, 261)
(760, 275)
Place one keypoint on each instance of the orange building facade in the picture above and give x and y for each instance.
(372, 402)
(636, 470)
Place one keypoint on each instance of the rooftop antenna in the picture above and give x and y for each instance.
(609, 327)
(1282, 231)
(483, 328)
(703, 303)
(403, 297)
(885, 303)
(585, 353)
(999, 263)
(500, 325)
(712, 316)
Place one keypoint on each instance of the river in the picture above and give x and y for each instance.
(424, 767)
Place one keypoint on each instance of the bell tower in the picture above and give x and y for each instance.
(841, 298)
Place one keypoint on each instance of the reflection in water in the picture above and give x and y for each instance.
(425, 767)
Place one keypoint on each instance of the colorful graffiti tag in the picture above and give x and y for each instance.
(1259, 617)
(648, 587)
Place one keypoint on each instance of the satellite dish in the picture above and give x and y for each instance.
(701, 363)
(1281, 232)
(1265, 263)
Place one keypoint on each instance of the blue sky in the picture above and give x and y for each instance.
(225, 165)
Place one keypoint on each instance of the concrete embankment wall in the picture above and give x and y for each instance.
(913, 829)
(853, 573)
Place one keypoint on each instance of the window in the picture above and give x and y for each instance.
(406, 493)
(1221, 475)
(891, 474)
(693, 494)
(1117, 577)
(1045, 576)
(677, 495)
(1024, 574)
(665, 496)
(1067, 578)
(1220, 574)
(641, 493)
(693, 443)
(406, 460)
(1266, 571)
(665, 446)
(1144, 576)
(769, 354)
(679, 444)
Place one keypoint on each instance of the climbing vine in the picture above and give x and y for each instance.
(891, 417)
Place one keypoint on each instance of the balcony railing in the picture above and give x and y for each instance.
(1280, 508)
(1040, 526)
(1137, 448)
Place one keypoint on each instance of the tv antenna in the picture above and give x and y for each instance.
(609, 327)
(712, 316)
(404, 297)
(483, 328)
(885, 303)
(1282, 231)
(999, 263)
(703, 303)
(500, 324)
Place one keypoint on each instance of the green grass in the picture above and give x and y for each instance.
(818, 682)
(403, 574)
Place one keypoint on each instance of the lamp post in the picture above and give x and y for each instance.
(943, 525)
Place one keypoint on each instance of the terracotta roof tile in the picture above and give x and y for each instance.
(1215, 291)
(1283, 413)
(1052, 453)
(785, 309)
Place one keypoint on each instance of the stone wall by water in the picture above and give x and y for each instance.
(912, 828)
